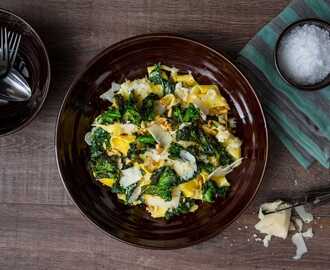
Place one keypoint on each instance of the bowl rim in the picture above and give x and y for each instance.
(79, 76)
(47, 82)
(313, 87)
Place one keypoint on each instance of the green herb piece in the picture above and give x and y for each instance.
(208, 167)
(191, 114)
(155, 77)
(105, 167)
(147, 108)
(100, 141)
(187, 133)
(174, 150)
(109, 116)
(163, 181)
(117, 188)
(129, 190)
(211, 191)
(224, 157)
(119, 100)
(183, 208)
(131, 113)
(146, 140)
(223, 191)
(177, 113)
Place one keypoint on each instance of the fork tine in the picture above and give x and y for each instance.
(1, 41)
(12, 41)
(5, 47)
(15, 50)
(10, 38)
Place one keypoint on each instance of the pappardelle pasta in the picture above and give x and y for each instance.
(165, 142)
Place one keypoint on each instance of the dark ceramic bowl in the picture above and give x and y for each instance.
(129, 59)
(32, 62)
(312, 87)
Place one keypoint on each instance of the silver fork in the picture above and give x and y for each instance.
(14, 41)
(4, 54)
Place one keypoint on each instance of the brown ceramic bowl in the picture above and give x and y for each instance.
(306, 87)
(32, 61)
(129, 59)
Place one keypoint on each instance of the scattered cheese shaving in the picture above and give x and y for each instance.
(298, 224)
(303, 214)
(277, 223)
(108, 95)
(298, 241)
(130, 176)
(308, 233)
(224, 170)
(160, 135)
(266, 240)
(186, 166)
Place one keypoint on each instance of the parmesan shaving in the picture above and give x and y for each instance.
(308, 233)
(298, 241)
(163, 137)
(224, 170)
(266, 240)
(130, 176)
(303, 214)
(108, 95)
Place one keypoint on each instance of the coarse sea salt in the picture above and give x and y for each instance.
(304, 54)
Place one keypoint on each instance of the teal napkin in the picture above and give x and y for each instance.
(300, 119)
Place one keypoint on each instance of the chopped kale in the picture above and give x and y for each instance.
(163, 180)
(117, 188)
(146, 140)
(224, 157)
(119, 100)
(187, 133)
(105, 167)
(147, 108)
(132, 114)
(191, 114)
(185, 115)
(208, 167)
(109, 116)
(177, 114)
(211, 191)
(100, 141)
(174, 150)
(183, 208)
(223, 191)
(156, 77)
(129, 190)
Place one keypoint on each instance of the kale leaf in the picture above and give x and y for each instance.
(191, 114)
(177, 114)
(185, 115)
(146, 140)
(183, 208)
(109, 116)
(105, 167)
(155, 77)
(163, 180)
(99, 142)
(174, 150)
(147, 108)
(211, 191)
(131, 113)
(224, 157)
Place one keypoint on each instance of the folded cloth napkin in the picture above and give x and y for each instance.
(300, 119)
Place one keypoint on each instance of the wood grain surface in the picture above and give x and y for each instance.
(40, 228)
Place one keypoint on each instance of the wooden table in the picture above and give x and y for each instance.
(40, 228)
